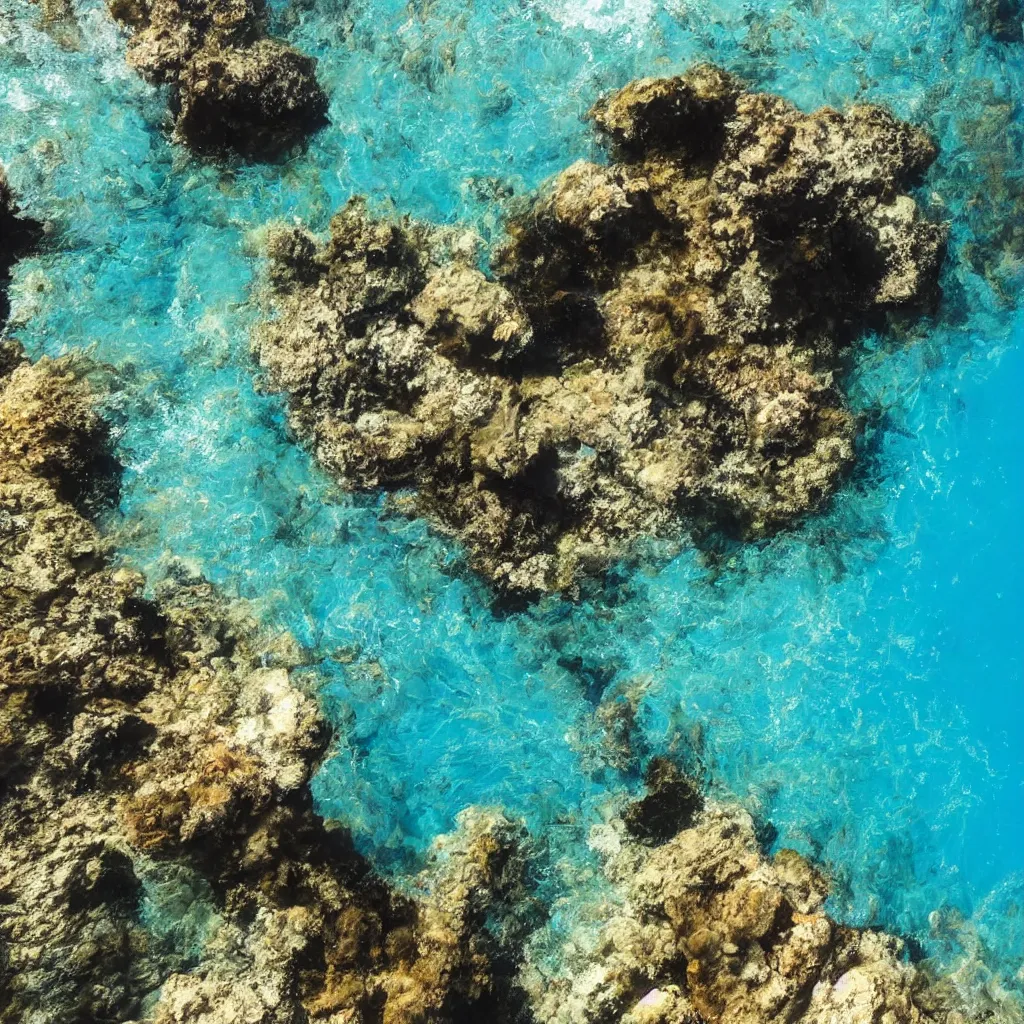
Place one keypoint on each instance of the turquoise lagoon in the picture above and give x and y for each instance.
(855, 682)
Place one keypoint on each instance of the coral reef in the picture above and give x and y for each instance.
(155, 755)
(234, 87)
(160, 857)
(656, 348)
(163, 745)
(710, 931)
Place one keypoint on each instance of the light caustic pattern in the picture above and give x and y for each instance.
(856, 682)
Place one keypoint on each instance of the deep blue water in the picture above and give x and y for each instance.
(856, 681)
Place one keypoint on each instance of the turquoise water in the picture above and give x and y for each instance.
(857, 682)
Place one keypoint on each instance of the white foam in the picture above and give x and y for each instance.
(604, 16)
(18, 99)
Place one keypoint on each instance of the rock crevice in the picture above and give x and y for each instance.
(18, 234)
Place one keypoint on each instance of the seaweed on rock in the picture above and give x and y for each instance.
(168, 739)
(235, 89)
(658, 346)
(709, 930)
(168, 736)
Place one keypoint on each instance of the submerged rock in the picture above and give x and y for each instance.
(708, 930)
(1003, 20)
(156, 753)
(17, 235)
(234, 87)
(59, 21)
(166, 738)
(672, 801)
(657, 348)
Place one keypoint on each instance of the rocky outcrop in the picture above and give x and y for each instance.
(708, 930)
(160, 857)
(76, 653)
(308, 938)
(234, 88)
(656, 348)
(155, 755)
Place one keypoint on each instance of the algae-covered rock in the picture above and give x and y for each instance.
(234, 87)
(709, 930)
(657, 347)
(167, 739)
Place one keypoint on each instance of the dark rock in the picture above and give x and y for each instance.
(1003, 20)
(671, 803)
(236, 89)
(18, 235)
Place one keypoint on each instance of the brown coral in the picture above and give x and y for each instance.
(659, 345)
(710, 931)
(235, 88)
(141, 737)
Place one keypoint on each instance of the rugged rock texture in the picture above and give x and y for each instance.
(307, 937)
(75, 655)
(657, 349)
(710, 931)
(234, 88)
(156, 754)
(160, 858)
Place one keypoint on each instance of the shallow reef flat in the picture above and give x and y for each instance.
(157, 752)
(371, 793)
(155, 755)
(658, 345)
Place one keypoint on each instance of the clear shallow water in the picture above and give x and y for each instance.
(858, 681)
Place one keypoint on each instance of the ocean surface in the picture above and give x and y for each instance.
(856, 682)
